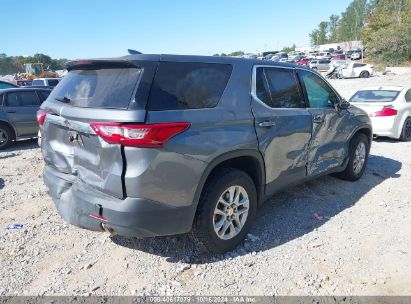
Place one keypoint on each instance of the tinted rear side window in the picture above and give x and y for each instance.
(187, 85)
(98, 88)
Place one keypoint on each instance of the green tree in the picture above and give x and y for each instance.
(288, 49)
(319, 35)
(387, 35)
(333, 28)
(352, 20)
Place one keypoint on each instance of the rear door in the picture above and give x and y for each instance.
(282, 123)
(98, 91)
(329, 126)
(20, 108)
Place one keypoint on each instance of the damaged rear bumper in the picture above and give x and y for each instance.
(135, 217)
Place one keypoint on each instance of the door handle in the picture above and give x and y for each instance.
(318, 119)
(267, 124)
(10, 111)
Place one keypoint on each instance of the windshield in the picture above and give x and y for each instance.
(375, 96)
(98, 88)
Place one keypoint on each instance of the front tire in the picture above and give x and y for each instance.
(358, 156)
(6, 136)
(227, 207)
(364, 74)
(406, 130)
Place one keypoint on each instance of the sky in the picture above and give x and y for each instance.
(100, 28)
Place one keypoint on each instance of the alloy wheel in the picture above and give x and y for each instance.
(408, 128)
(3, 137)
(230, 213)
(359, 157)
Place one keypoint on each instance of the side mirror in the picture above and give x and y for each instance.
(342, 105)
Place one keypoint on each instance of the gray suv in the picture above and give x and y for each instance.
(150, 145)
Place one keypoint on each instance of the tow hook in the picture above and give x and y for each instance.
(108, 229)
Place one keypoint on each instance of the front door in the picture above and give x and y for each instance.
(282, 123)
(329, 134)
(20, 108)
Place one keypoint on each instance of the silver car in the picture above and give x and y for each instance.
(320, 65)
(18, 108)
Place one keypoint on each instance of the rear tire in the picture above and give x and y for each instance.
(406, 130)
(217, 210)
(6, 136)
(358, 156)
(364, 74)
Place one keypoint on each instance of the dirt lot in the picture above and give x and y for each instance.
(361, 246)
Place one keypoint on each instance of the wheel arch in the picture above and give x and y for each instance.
(5, 123)
(364, 129)
(249, 161)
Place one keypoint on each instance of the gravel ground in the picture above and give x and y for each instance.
(358, 244)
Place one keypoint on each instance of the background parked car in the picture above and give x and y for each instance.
(323, 55)
(7, 85)
(355, 70)
(46, 82)
(320, 65)
(389, 109)
(338, 56)
(356, 55)
(304, 61)
(18, 108)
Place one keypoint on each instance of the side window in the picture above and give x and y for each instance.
(188, 85)
(22, 99)
(278, 88)
(43, 95)
(319, 93)
(407, 96)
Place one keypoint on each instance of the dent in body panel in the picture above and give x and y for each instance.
(329, 140)
(88, 157)
(285, 146)
(166, 177)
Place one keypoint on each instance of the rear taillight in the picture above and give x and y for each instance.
(41, 117)
(143, 136)
(386, 111)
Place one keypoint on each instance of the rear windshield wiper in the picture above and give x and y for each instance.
(63, 99)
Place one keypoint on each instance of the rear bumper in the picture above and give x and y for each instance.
(385, 126)
(134, 217)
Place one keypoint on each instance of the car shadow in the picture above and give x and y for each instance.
(21, 145)
(284, 217)
(387, 140)
(1, 183)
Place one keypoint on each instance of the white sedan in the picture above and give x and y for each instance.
(355, 70)
(389, 109)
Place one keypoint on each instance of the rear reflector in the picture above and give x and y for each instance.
(98, 217)
(143, 136)
(41, 117)
(386, 111)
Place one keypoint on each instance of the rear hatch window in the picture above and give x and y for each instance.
(375, 96)
(98, 88)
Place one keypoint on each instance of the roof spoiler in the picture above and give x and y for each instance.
(98, 64)
(133, 52)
